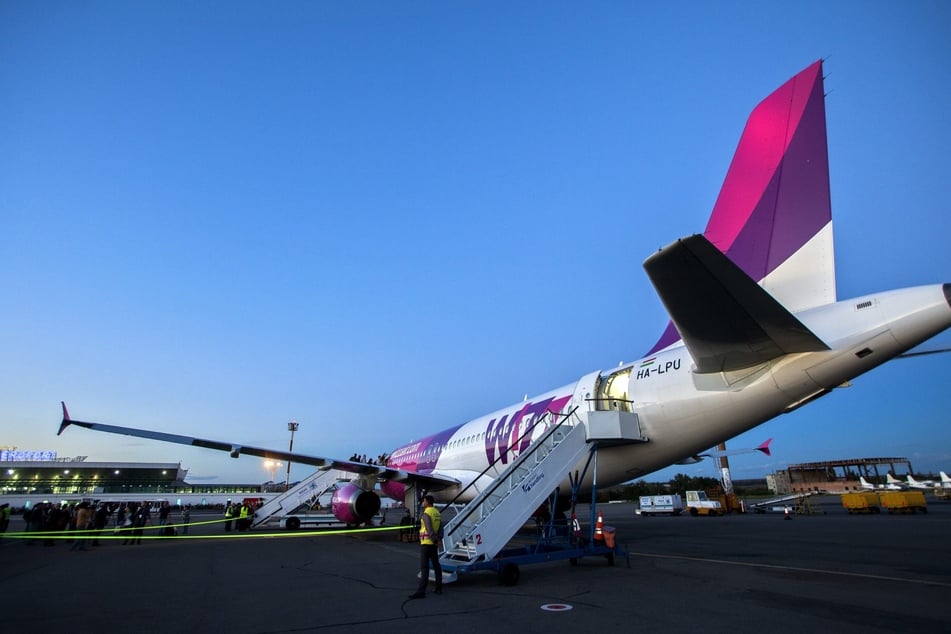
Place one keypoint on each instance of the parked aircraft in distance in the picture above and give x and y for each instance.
(756, 331)
(945, 481)
(865, 484)
(892, 481)
(919, 484)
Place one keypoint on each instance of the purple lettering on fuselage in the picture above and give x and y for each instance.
(502, 434)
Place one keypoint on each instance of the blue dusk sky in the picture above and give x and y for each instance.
(381, 219)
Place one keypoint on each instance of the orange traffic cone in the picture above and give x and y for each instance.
(599, 529)
(786, 514)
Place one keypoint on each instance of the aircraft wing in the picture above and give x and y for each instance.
(726, 320)
(430, 481)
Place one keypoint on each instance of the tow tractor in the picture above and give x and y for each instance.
(699, 504)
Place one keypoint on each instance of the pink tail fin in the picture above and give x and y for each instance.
(773, 216)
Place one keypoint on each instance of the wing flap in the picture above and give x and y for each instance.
(726, 320)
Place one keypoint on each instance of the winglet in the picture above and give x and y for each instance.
(66, 420)
(765, 446)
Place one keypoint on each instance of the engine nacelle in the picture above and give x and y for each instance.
(353, 505)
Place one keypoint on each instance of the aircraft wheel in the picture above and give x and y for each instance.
(509, 575)
(573, 561)
(610, 558)
(292, 523)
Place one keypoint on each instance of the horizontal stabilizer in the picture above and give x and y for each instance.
(726, 320)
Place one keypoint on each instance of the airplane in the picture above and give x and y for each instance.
(945, 481)
(892, 481)
(865, 484)
(918, 484)
(890, 484)
(756, 330)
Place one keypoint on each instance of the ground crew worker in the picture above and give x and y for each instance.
(430, 532)
(5, 517)
(244, 521)
(229, 514)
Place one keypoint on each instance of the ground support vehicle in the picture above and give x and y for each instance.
(310, 520)
(799, 501)
(660, 505)
(861, 502)
(555, 540)
(699, 504)
(903, 501)
(296, 521)
(478, 537)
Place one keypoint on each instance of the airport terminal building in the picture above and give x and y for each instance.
(27, 478)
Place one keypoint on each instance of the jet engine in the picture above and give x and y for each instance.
(352, 505)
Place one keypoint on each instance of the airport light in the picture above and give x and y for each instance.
(271, 465)
(291, 427)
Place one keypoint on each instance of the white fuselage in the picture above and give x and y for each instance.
(681, 412)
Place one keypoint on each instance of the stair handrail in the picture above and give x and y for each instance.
(458, 520)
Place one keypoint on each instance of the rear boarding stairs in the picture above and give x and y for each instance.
(475, 538)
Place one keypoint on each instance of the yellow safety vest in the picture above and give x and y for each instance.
(435, 519)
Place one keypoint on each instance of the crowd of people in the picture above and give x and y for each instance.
(363, 459)
(85, 522)
(240, 514)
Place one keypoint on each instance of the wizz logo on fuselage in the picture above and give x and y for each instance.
(502, 434)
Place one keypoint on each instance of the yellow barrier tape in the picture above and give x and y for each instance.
(128, 532)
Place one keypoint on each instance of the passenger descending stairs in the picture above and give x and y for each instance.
(483, 527)
(303, 493)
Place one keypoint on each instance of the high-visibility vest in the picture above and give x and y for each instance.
(435, 519)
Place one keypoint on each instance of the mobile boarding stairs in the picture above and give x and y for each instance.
(475, 538)
(303, 494)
